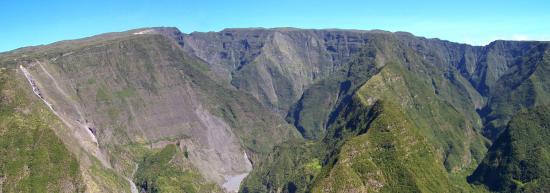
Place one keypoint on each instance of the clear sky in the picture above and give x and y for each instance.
(35, 22)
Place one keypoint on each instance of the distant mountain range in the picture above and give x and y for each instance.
(274, 110)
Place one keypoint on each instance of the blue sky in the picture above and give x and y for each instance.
(35, 22)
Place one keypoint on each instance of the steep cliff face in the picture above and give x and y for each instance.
(423, 117)
(444, 89)
(496, 72)
(523, 85)
(137, 92)
(276, 65)
(31, 154)
(198, 112)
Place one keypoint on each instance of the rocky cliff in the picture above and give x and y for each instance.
(300, 110)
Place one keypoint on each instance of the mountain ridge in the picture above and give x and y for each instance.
(195, 103)
(27, 48)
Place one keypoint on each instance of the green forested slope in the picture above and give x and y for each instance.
(377, 111)
(519, 160)
(399, 132)
(525, 85)
(32, 157)
(169, 170)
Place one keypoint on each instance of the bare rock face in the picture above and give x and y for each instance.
(142, 89)
(221, 96)
(275, 65)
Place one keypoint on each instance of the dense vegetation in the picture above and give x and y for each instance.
(32, 157)
(434, 127)
(526, 85)
(168, 170)
(388, 155)
(519, 160)
(365, 111)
